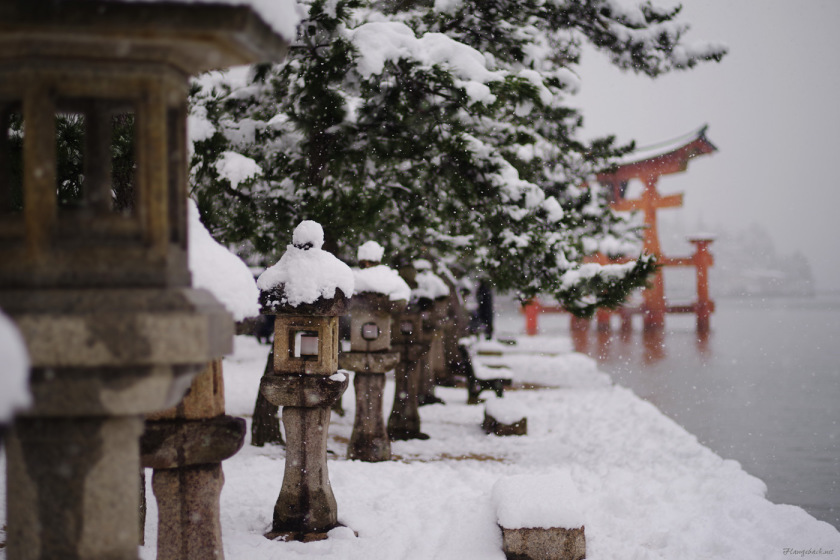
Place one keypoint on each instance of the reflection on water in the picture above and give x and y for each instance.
(762, 388)
(613, 346)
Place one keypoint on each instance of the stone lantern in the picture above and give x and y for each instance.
(306, 291)
(186, 444)
(379, 292)
(93, 264)
(411, 336)
(432, 287)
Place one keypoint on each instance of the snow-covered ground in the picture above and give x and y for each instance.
(645, 487)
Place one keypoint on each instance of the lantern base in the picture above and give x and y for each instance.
(302, 536)
(369, 441)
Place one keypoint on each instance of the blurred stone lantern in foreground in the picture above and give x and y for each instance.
(93, 249)
(186, 444)
(306, 291)
(379, 292)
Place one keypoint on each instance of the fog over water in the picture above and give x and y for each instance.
(772, 112)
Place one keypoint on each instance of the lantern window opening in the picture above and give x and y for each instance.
(407, 327)
(370, 331)
(176, 132)
(95, 156)
(303, 344)
(11, 158)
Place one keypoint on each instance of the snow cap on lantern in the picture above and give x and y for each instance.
(370, 251)
(379, 291)
(308, 235)
(305, 275)
(307, 289)
(429, 285)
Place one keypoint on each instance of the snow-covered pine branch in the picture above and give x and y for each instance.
(444, 128)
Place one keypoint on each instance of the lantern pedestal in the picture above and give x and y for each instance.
(369, 441)
(195, 490)
(433, 362)
(306, 508)
(72, 473)
(404, 421)
(101, 361)
(185, 446)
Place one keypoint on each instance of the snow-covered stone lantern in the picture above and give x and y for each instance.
(431, 287)
(379, 292)
(186, 444)
(307, 291)
(93, 264)
(411, 336)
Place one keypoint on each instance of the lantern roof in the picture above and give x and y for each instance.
(193, 36)
(381, 280)
(370, 251)
(429, 285)
(306, 273)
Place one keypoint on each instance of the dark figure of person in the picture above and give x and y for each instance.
(484, 313)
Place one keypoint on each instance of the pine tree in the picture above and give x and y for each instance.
(441, 130)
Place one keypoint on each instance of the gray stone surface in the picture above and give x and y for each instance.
(120, 327)
(168, 444)
(553, 543)
(188, 512)
(306, 503)
(369, 441)
(404, 420)
(72, 488)
(369, 307)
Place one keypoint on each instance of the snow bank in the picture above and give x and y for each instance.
(506, 411)
(381, 280)
(572, 370)
(540, 500)
(307, 272)
(14, 379)
(218, 270)
(647, 489)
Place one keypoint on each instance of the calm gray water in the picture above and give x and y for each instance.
(763, 389)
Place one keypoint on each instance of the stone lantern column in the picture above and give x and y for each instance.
(185, 446)
(93, 266)
(306, 291)
(409, 339)
(379, 292)
(430, 286)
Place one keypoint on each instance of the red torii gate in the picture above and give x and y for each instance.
(648, 171)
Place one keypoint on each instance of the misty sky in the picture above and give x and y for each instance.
(773, 110)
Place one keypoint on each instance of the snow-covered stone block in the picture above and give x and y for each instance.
(504, 417)
(540, 517)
